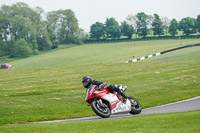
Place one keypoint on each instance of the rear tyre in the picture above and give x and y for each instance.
(103, 112)
(136, 107)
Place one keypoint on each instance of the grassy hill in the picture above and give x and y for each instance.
(100, 53)
(48, 86)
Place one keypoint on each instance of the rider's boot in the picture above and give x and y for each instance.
(122, 92)
(125, 97)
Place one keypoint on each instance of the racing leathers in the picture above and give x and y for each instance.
(112, 88)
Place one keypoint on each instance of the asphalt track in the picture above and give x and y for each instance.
(181, 106)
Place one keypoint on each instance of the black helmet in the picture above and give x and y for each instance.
(87, 81)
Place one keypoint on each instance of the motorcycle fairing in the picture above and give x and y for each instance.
(116, 105)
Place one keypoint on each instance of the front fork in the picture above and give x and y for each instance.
(100, 103)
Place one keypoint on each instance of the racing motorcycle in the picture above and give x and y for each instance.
(104, 103)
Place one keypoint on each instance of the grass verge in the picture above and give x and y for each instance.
(157, 123)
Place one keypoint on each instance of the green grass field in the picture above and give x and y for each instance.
(48, 86)
(187, 122)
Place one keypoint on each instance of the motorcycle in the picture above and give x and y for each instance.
(104, 103)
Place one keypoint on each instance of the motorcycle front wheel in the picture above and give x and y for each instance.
(103, 112)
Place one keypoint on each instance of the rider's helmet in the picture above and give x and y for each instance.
(87, 81)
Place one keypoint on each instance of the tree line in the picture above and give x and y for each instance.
(143, 25)
(25, 31)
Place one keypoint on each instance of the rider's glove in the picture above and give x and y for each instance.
(97, 88)
(102, 85)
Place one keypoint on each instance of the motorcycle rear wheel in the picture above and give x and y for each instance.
(135, 108)
(103, 112)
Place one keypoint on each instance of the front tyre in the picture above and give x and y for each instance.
(103, 112)
(136, 107)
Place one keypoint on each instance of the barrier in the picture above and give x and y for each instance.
(163, 52)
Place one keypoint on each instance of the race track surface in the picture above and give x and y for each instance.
(181, 106)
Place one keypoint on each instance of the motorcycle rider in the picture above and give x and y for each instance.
(87, 82)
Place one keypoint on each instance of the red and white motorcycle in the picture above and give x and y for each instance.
(104, 103)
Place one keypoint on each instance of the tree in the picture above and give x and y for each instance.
(4, 28)
(132, 20)
(6, 11)
(22, 9)
(149, 26)
(198, 23)
(112, 28)
(188, 25)
(142, 23)
(97, 30)
(24, 22)
(157, 25)
(3, 48)
(19, 22)
(173, 27)
(20, 49)
(166, 24)
(52, 36)
(64, 24)
(21, 28)
(126, 29)
(43, 40)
